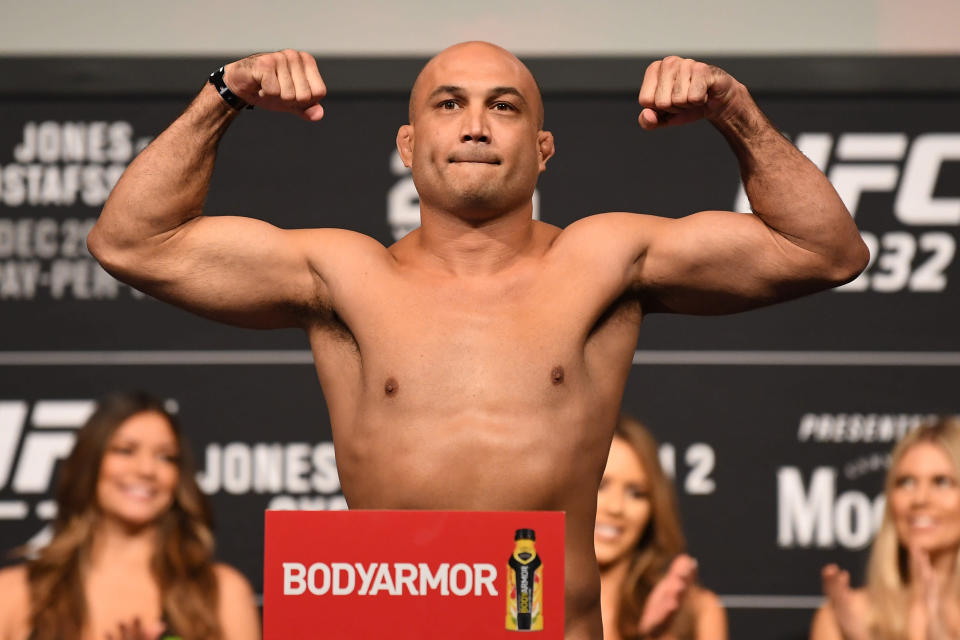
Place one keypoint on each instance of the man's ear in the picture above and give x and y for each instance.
(545, 148)
(405, 144)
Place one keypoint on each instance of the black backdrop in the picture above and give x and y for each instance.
(777, 423)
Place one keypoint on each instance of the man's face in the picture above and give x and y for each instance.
(474, 143)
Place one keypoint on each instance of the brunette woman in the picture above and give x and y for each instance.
(132, 553)
(648, 583)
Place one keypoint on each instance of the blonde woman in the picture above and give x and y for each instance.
(913, 576)
(131, 556)
(648, 583)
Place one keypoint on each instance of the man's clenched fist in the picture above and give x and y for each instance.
(285, 80)
(680, 90)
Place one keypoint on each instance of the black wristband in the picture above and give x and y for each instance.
(232, 99)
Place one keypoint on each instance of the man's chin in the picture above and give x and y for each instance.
(477, 202)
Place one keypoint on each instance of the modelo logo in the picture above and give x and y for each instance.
(389, 579)
(814, 515)
(892, 163)
(811, 512)
(403, 201)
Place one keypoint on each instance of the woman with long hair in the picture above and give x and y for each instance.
(648, 583)
(913, 575)
(132, 551)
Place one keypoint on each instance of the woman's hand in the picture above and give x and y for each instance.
(847, 609)
(930, 590)
(137, 631)
(667, 595)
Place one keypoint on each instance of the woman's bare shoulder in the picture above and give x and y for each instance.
(858, 599)
(13, 582)
(704, 599)
(230, 581)
(825, 625)
(710, 614)
(15, 603)
(238, 609)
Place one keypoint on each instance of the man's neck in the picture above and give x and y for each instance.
(467, 247)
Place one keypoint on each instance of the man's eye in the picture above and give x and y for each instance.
(503, 106)
(448, 104)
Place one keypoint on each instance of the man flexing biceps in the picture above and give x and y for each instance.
(483, 336)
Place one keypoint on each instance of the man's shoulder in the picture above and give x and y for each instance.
(611, 222)
(604, 233)
(338, 246)
(326, 235)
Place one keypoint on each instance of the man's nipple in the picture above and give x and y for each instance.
(391, 386)
(556, 376)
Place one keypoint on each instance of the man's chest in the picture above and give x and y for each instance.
(556, 304)
(483, 351)
(527, 344)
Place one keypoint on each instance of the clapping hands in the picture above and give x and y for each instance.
(135, 630)
(667, 596)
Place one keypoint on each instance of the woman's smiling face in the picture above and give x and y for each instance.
(925, 499)
(139, 470)
(623, 504)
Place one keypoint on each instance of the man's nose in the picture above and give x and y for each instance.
(474, 126)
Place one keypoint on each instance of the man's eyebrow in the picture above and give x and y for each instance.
(455, 90)
(446, 88)
(512, 91)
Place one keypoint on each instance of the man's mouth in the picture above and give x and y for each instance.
(474, 160)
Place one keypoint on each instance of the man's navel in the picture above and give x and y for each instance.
(556, 376)
(391, 386)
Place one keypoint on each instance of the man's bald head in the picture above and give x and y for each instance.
(441, 69)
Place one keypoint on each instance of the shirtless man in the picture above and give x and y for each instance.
(484, 335)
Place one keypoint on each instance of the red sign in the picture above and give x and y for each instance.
(355, 575)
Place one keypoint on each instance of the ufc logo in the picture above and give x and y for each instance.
(871, 162)
(30, 448)
(867, 162)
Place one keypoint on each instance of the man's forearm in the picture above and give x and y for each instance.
(166, 184)
(786, 190)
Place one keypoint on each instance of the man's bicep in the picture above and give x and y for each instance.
(237, 270)
(716, 262)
